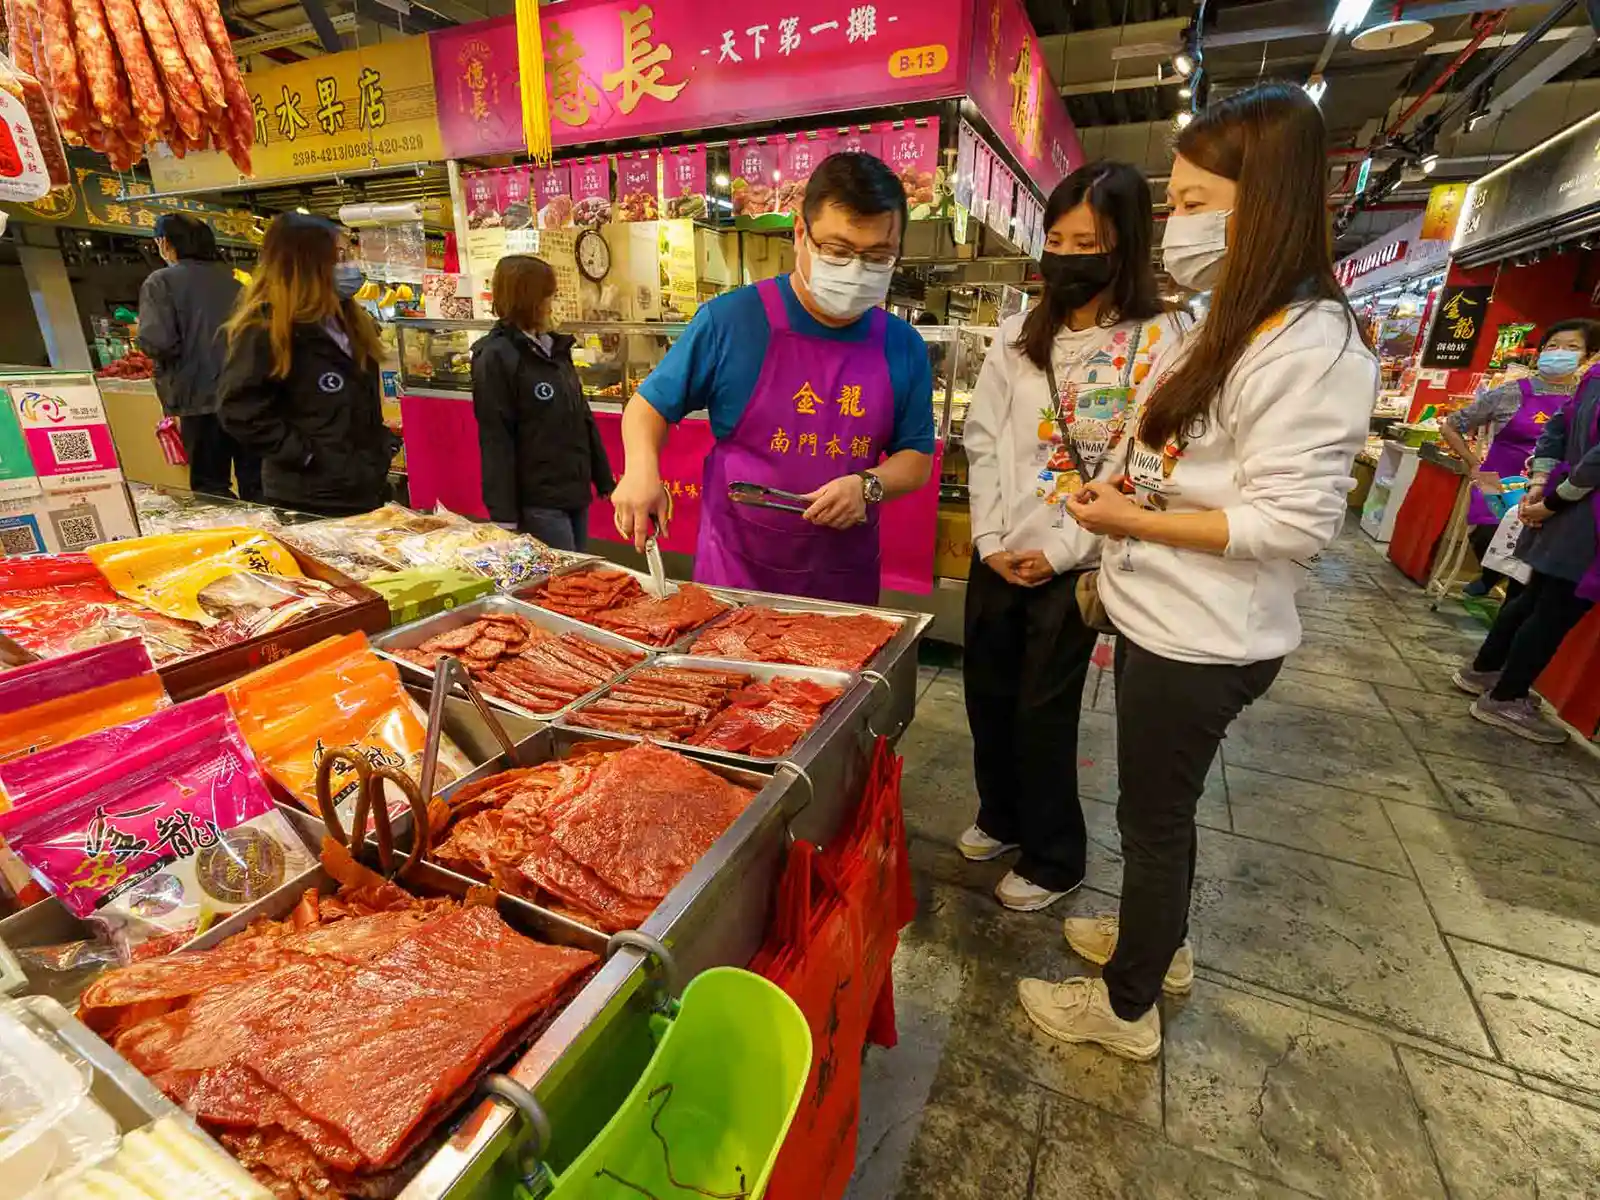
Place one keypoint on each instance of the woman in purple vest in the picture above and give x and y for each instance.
(1516, 413)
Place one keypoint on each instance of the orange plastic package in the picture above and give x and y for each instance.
(335, 693)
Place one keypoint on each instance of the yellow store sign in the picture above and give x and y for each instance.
(366, 108)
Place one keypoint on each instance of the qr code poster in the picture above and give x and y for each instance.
(21, 535)
(66, 432)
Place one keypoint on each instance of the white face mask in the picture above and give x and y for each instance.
(1193, 247)
(844, 293)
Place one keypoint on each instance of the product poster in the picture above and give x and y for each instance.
(683, 182)
(679, 295)
(966, 150)
(65, 429)
(1457, 325)
(17, 476)
(552, 195)
(1444, 209)
(591, 190)
(516, 211)
(1001, 186)
(636, 187)
(755, 169)
(983, 168)
(912, 152)
(801, 156)
(858, 139)
(482, 190)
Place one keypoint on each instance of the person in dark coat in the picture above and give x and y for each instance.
(181, 310)
(300, 386)
(543, 461)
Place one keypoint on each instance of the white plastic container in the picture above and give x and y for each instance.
(39, 1088)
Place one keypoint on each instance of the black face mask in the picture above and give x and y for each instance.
(1072, 280)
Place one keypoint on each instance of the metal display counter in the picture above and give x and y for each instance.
(582, 1065)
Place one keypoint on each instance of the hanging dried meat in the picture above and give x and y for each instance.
(602, 838)
(121, 75)
(807, 639)
(296, 1042)
(721, 710)
(510, 657)
(616, 601)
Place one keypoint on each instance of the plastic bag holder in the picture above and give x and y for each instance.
(878, 679)
(670, 978)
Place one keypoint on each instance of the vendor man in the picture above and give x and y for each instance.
(812, 388)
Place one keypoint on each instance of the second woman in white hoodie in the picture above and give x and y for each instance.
(1238, 460)
(1046, 415)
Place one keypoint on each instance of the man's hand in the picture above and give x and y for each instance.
(1487, 482)
(1032, 567)
(1001, 563)
(1101, 507)
(839, 504)
(637, 499)
(1535, 514)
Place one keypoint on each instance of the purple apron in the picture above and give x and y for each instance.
(1509, 451)
(820, 409)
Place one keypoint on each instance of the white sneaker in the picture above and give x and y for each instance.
(977, 846)
(1094, 938)
(1017, 894)
(1079, 1010)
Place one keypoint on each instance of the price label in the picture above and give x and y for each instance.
(919, 60)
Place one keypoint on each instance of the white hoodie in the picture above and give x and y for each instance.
(1019, 473)
(1275, 457)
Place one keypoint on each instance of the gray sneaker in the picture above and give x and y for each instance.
(1475, 683)
(1522, 717)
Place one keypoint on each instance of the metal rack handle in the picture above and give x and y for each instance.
(448, 672)
(505, 1088)
(804, 776)
(671, 979)
(877, 677)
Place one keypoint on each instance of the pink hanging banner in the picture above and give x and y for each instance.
(516, 208)
(856, 139)
(482, 190)
(683, 182)
(552, 196)
(591, 190)
(636, 187)
(912, 152)
(753, 165)
(800, 157)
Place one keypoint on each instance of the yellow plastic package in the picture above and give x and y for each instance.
(336, 693)
(168, 572)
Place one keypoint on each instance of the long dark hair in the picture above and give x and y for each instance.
(1119, 197)
(1270, 140)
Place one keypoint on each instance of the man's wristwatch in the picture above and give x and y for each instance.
(871, 487)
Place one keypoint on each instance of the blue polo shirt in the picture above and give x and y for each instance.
(716, 363)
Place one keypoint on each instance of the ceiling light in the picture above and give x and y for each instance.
(301, 208)
(1182, 119)
(721, 180)
(1186, 92)
(1316, 89)
(1349, 16)
(1183, 63)
(1430, 163)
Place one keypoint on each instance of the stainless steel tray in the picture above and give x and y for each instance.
(843, 680)
(678, 647)
(408, 637)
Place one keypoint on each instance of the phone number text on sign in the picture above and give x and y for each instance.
(343, 152)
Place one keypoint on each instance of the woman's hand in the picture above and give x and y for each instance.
(1001, 563)
(1487, 482)
(1032, 567)
(1534, 514)
(1102, 507)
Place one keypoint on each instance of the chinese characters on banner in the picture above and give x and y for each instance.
(983, 168)
(801, 154)
(636, 186)
(516, 208)
(626, 68)
(769, 175)
(755, 170)
(911, 148)
(552, 196)
(683, 182)
(103, 201)
(372, 107)
(1011, 85)
(591, 190)
(966, 157)
(1457, 325)
(857, 139)
(1444, 208)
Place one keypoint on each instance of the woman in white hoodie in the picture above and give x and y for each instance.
(1239, 461)
(1047, 412)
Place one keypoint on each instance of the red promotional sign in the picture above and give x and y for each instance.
(627, 68)
(1013, 90)
(636, 187)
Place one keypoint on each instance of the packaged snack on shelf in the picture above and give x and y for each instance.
(421, 592)
(163, 511)
(177, 831)
(47, 703)
(168, 572)
(248, 604)
(56, 604)
(336, 693)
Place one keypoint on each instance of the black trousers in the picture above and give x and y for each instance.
(1479, 537)
(1027, 653)
(1528, 632)
(215, 459)
(558, 528)
(1171, 717)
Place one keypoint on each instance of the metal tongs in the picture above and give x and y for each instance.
(758, 495)
(370, 800)
(449, 672)
(652, 558)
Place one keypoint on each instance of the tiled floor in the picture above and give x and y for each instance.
(1397, 921)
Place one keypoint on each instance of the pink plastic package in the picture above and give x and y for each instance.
(155, 829)
(51, 678)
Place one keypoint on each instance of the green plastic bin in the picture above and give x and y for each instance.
(709, 1115)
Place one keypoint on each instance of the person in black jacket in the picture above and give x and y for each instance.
(542, 457)
(300, 386)
(181, 310)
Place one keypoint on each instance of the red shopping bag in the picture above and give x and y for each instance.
(171, 442)
(815, 956)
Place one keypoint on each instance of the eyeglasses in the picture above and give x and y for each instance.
(837, 254)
